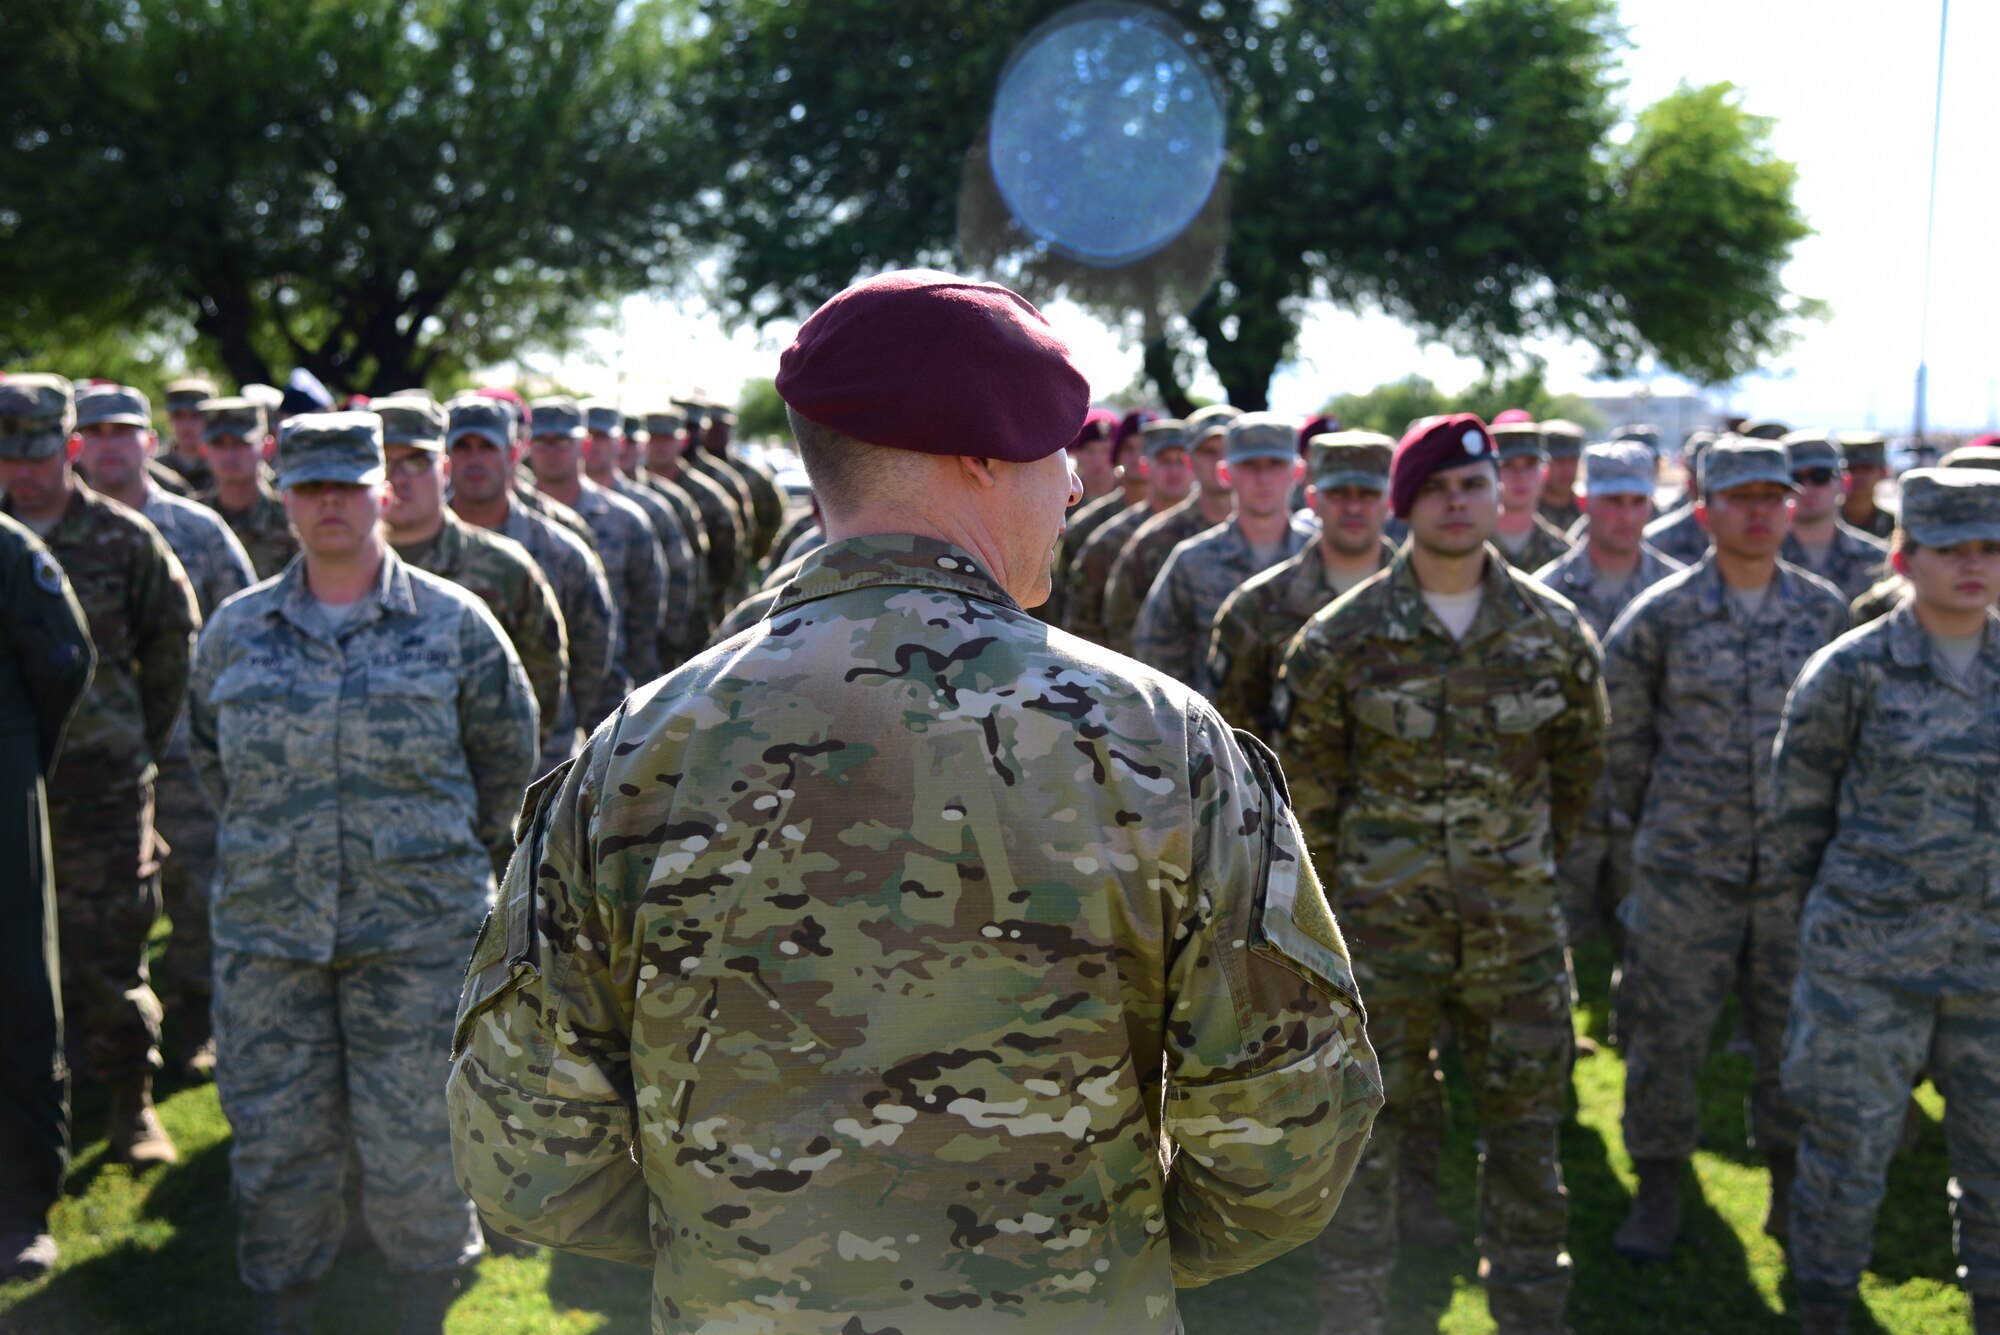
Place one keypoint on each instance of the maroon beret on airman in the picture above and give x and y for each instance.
(928, 361)
(1098, 424)
(1432, 445)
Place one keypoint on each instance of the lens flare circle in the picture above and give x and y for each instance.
(1107, 133)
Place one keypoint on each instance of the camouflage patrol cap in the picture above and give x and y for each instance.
(237, 417)
(1349, 459)
(410, 420)
(1695, 446)
(187, 396)
(1739, 461)
(1168, 433)
(601, 417)
(635, 427)
(1562, 438)
(112, 405)
(1518, 440)
(667, 423)
(692, 411)
(1644, 432)
(1763, 428)
(1972, 456)
(37, 414)
(1943, 507)
(331, 447)
(1864, 449)
(1811, 448)
(1618, 468)
(1261, 436)
(478, 415)
(1210, 421)
(556, 415)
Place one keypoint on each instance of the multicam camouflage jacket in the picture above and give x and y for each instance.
(1088, 576)
(143, 620)
(364, 784)
(1546, 544)
(1697, 692)
(215, 563)
(1427, 766)
(723, 527)
(1178, 617)
(680, 636)
(589, 613)
(1887, 769)
(264, 530)
(1078, 528)
(842, 977)
(636, 571)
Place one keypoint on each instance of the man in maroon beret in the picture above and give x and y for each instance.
(900, 883)
(1443, 730)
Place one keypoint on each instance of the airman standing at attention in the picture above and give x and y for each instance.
(236, 441)
(185, 455)
(1139, 562)
(1562, 441)
(1865, 455)
(666, 472)
(1167, 472)
(1820, 540)
(677, 638)
(1527, 540)
(1677, 534)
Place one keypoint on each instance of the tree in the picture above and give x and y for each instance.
(382, 191)
(1390, 408)
(1448, 161)
(760, 413)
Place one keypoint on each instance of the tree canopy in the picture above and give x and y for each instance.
(1390, 408)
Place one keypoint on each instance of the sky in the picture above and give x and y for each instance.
(1850, 87)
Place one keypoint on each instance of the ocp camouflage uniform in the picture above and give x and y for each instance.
(1697, 691)
(971, 1004)
(678, 636)
(143, 619)
(539, 502)
(688, 515)
(590, 621)
(1252, 627)
(263, 530)
(637, 574)
(1178, 617)
(1546, 544)
(167, 479)
(218, 568)
(1089, 574)
(1853, 564)
(724, 474)
(1596, 873)
(1884, 598)
(1139, 563)
(724, 531)
(364, 783)
(1886, 773)
(501, 574)
(1082, 522)
(767, 502)
(1439, 780)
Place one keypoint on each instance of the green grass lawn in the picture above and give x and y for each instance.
(156, 1254)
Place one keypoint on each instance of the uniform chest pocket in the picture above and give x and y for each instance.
(421, 686)
(1527, 707)
(1407, 713)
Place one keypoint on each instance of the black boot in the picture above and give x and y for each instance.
(287, 1312)
(1778, 1215)
(1985, 1314)
(26, 1253)
(1822, 1315)
(1649, 1232)
(423, 1299)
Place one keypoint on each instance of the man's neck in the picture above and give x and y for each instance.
(1135, 490)
(422, 531)
(1440, 572)
(1557, 497)
(1159, 504)
(1617, 564)
(1858, 509)
(132, 495)
(1514, 522)
(1814, 532)
(1344, 563)
(1947, 622)
(1745, 572)
(606, 478)
(347, 579)
(566, 492)
(1264, 530)
(236, 496)
(668, 472)
(484, 514)
(64, 494)
(1216, 505)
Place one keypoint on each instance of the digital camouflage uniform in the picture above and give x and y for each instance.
(590, 620)
(899, 1065)
(689, 516)
(1178, 617)
(217, 568)
(1678, 535)
(171, 479)
(45, 667)
(1078, 527)
(1697, 691)
(499, 572)
(143, 619)
(724, 474)
(1139, 563)
(364, 784)
(679, 637)
(802, 522)
(1853, 564)
(1596, 872)
(1254, 624)
(637, 573)
(1885, 597)
(727, 544)
(1438, 781)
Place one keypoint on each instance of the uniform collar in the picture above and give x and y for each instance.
(391, 595)
(1910, 645)
(882, 559)
(1784, 584)
(1407, 616)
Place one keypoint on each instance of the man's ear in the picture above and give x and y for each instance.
(1582, 503)
(978, 471)
(75, 446)
(1701, 514)
(1298, 471)
(1899, 561)
(1222, 474)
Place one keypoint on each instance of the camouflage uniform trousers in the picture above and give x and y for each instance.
(1685, 937)
(312, 1057)
(1596, 876)
(1511, 1020)
(107, 865)
(187, 826)
(1853, 1048)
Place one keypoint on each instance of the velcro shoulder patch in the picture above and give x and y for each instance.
(1293, 921)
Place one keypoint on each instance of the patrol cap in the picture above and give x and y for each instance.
(331, 447)
(1644, 432)
(1618, 468)
(1168, 433)
(37, 414)
(1519, 439)
(479, 415)
(1695, 446)
(668, 423)
(187, 396)
(1349, 459)
(115, 405)
(1261, 436)
(635, 427)
(234, 417)
(1561, 438)
(693, 412)
(602, 417)
(1864, 449)
(556, 415)
(1738, 461)
(408, 420)
(1435, 445)
(1210, 421)
(1812, 448)
(1972, 456)
(269, 396)
(1943, 507)
(1763, 428)
(903, 360)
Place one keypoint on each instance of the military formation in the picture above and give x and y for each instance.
(950, 899)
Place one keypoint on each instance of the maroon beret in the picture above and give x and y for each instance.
(1098, 424)
(1318, 426)
(1431, 445)
(1133, 423)
(922, 360)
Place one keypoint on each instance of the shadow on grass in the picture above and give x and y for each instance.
(624, 1293)
(1913, 1230)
